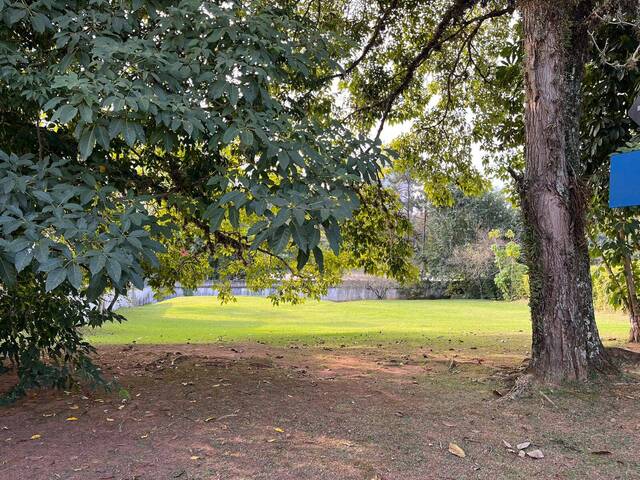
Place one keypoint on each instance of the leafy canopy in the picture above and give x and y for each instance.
(130, 129)
(203, 107)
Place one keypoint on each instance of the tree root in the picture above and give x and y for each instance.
(522, 387)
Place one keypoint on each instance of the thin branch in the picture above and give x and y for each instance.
(373, 39)
(40, 144)
(116, 295)
(517, 176)
(437, 40)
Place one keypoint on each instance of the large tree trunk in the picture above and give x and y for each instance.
(566, 343)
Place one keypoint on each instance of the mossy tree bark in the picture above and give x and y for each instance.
(566, 344)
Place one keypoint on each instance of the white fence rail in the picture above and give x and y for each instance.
(136, 297)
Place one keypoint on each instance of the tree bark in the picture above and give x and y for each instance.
(566, 345)
(633, 306)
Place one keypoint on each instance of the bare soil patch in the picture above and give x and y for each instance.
(261, 412)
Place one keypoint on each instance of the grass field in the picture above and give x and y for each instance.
(438, 323)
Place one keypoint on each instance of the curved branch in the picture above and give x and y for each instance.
(452, 16)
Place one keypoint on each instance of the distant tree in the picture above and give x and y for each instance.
(473, 264)
(453, 227)
(511, 278)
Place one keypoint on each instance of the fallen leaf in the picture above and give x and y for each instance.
(279, 430)
(36, 436)
(523, 445)
(456, 450)
(601, 452)
(506, 444)
(72, 419)
(536, 454)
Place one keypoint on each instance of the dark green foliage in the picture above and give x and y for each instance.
(449, 230)
(40, 334)
(378, 238)
(71, 226)
(607, 128)
(119, 117)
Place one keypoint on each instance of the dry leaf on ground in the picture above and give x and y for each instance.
(535, 454)
(456, 450)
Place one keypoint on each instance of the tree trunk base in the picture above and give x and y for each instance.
(526, 382)
(634, 332)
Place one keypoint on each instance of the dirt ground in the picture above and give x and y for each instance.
(258, 412)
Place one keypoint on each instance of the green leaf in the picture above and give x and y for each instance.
(317, 253)
(283, 159)
(102, 137)
(23, 259)
(55, 278)
(74, 274)
(234, 196)
(230, 134)
(64, 114)
(14, 15)
(259, 239)
(86, 114)
(87, 142)
(303, 258)
(40, 22)
(234, 217)
(97, 263)
(216, 217)
(333, 236)
(281, 217)
(130, 134)
(282, 241)
(114, 269)
(43, 196)
(246, 137)
(233, 95)
(51, 103)
(7, 272)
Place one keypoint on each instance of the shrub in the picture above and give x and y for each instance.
(40, 335)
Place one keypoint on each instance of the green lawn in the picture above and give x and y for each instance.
(434, 323)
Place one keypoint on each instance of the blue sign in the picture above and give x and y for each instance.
(624, 186)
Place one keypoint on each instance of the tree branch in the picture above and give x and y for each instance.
(449, 19)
